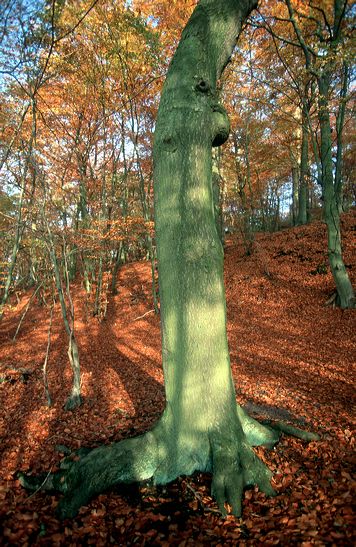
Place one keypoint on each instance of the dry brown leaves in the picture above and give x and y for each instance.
(292, 359)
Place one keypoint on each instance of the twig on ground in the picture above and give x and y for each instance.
(42, 483)
(141, 316)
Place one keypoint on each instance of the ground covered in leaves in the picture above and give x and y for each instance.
(292, 359)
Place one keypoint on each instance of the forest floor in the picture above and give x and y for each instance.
(292, 359)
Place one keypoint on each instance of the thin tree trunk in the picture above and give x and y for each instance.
(117, 264)
(304, 165)
(74, 400)
(26, 310)
(14, 252)
(340, 120)
(295, 178)
(45, 363)
(346, 297)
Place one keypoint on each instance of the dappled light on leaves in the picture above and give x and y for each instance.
(285, 368)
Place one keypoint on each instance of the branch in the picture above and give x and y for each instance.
(307, 51)
(42, 73)
(338, 18)
(77, 24)
(141, 316)
(268, 28)
(320, 10)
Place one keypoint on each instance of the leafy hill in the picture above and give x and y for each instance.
(292, 359)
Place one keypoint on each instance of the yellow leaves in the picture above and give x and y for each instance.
(112, 231)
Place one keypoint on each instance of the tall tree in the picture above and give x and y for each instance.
(201, 428)
(321, 62)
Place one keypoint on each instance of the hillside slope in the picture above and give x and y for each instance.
(292, 358)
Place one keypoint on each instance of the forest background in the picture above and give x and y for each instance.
(80, 88)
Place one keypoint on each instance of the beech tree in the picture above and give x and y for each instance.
(321, 62)
(201, 428)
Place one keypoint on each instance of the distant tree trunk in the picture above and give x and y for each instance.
(277, 214)
(118, 260)
(295, 178)
(15, 248)
(304, 167)
(346, 297)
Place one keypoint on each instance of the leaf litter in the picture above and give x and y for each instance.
(292, 358)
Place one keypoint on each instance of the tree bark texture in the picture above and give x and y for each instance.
(202, 429)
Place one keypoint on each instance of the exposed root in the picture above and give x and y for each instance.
(293, 431)
(255, 432)
(267, 432)
(234, 465)
(73, 402)
(234, 468)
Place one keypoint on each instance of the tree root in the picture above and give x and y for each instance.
(233, 470)
(233, 463)
(256, 433)
(267, 432)
(73, 402)
(292, 430)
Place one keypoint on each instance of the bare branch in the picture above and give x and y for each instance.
(320, 10)
(307, 51)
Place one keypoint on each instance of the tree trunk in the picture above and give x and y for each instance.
(303, 182)
(346, 297)
(295, 177)
(74, 400)
(15, 248)
(202, 428)
(340, 120)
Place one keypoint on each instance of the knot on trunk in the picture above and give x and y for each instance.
(220, 125)
(202, 85)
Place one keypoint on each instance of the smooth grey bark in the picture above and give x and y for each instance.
(202, 428)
